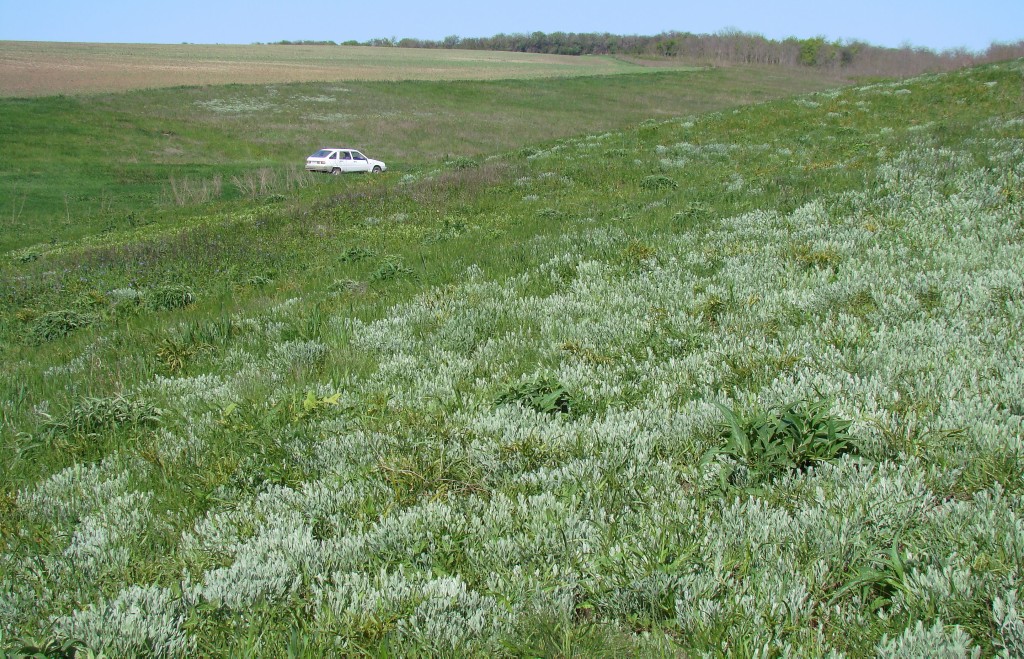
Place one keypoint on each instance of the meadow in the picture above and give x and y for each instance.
(744, 382)
(81, 165)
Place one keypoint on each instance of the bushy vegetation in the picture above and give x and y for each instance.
(545, 405)
(57, 324)
(767, 444)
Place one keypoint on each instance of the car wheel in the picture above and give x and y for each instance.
(335, 171)
(376, 169)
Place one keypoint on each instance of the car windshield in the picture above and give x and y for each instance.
(322, 153)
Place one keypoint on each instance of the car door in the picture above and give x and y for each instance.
(345, 161)
(332, 162)
(359, 162)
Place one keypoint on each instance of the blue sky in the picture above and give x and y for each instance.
(936, 24)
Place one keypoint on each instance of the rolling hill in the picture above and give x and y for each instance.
(742, 382)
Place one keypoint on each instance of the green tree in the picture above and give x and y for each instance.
(811, 51)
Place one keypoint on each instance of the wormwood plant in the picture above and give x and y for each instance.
(770, 443)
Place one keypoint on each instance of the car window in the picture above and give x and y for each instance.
(334, 156)
(358, 156)
(322, 153)
(345, 155)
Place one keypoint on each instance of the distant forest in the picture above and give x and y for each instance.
(847, 58)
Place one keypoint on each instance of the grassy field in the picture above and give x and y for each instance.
(744, 383)
(46, 68)
(76, 166)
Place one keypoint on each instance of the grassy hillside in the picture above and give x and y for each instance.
(76, 166)
(739, 383)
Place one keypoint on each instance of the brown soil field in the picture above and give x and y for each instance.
(29, 68)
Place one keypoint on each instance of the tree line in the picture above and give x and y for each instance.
(729, 47)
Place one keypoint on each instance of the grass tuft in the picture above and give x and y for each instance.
(54, 325)
(91, 416)
(170, 296)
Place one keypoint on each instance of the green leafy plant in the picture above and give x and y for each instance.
(544, 395)
(877, 583)
(57, 324)
(770, 443)
(246, 417)
(356, 254)
(311, 405)
(51, 648)
(415, 517)
(391, 268)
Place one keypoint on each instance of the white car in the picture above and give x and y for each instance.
(342, 161)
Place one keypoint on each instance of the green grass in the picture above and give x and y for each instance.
(76, 166)
(475, 407)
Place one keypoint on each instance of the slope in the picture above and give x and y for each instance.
(756, 388)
